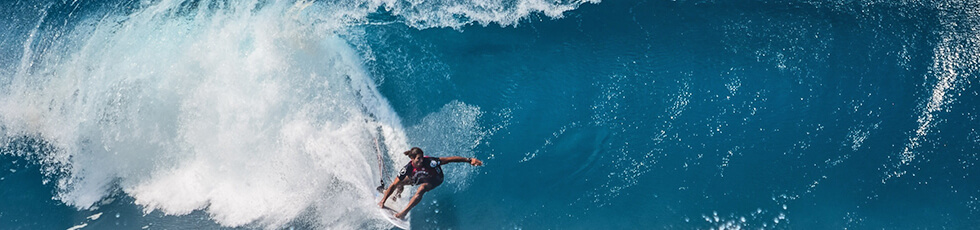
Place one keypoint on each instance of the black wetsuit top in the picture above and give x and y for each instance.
(430, 172)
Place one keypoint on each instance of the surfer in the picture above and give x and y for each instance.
(424, 171)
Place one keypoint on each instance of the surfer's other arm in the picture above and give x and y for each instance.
(472, 161)
(394, 184)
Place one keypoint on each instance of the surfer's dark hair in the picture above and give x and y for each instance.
(413, 151)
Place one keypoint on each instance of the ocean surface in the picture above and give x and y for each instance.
(619, 114)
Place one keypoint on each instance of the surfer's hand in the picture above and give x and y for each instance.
(475, 162)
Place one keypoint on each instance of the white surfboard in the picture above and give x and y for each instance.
(389, 215)
(387, 212)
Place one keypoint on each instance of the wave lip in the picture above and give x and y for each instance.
(456, 14)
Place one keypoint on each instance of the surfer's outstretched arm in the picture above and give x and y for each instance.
(472, 161)
(396, 183)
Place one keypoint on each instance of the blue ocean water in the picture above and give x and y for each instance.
(646, 114)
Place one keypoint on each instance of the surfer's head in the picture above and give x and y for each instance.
(414, 151)
(416, 154)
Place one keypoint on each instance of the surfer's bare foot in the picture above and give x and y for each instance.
(400, 215)
(381, 204)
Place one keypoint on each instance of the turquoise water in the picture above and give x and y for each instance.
(588, 115)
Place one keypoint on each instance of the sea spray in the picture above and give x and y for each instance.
(248, 116)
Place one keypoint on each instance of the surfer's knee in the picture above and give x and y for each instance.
(425, 188)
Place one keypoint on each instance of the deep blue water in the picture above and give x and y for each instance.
(615, 115)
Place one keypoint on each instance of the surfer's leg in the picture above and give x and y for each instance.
(425, 187)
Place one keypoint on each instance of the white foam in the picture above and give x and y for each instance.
(94, 216)
(77, 227)
(252, 116)
(456, 13)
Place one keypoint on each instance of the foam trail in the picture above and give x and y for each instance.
(956, 58)
(25, 60)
